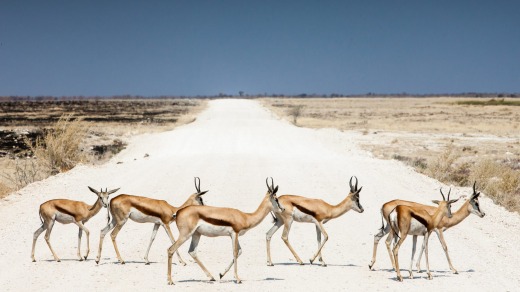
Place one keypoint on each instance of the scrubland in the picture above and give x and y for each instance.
(455, 140)
(42, 138)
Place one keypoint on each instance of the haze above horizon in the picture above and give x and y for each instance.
(208, 47)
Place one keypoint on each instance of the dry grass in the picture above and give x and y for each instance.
(454, 140)
(60, 149)
(432, 115)
(68, 141)
(499, 182)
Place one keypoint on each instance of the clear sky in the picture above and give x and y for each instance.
(291, 47)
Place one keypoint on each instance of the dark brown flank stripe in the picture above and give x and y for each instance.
(305, 210)
(420, 219)
(215, 221)
(64, 211)
(143, 208)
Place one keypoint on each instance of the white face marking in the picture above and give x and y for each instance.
(140, 217)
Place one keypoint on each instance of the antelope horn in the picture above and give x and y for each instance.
(449, 194)
(474, 187)
(355, 188)
(197, 187)
(272, 184)
(443, 198)
(350, 183)
(267, 183)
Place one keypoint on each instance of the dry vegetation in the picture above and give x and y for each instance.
(455, 140)
(42, 138)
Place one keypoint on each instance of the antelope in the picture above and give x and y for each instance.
(470, 206)
(145, 210)
(407, 219)
(195, 221)
(67, 211)
(319, 212)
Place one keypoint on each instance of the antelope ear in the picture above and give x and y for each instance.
(93, 190)
(202, 193)
(358, 191)
(275, 190)
(478, 194)
(435, 202)
(453, 201)
(113, 191)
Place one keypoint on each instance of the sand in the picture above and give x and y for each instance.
(233, 146)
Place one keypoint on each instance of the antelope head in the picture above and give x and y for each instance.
(354, 195)
(445, 204)
(103, 195)
(474, 206)
(198, 194)
(271, 192)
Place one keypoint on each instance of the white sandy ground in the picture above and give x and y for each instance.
(233, 146)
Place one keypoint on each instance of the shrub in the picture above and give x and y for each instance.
(25, 172)
(499, 182)
(441, 167)
(60, 149)
(295, 112)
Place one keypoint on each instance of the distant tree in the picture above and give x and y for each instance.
(241, 93)
(295, 112)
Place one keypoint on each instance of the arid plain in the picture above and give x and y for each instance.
(233, 145)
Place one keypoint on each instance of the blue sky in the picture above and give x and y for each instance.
(291, 47)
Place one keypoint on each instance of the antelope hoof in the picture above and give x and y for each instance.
(239, 281)
(147, 263)
(34, 260)
(170, 282)
(183, 263)
(323, 264)
(269, 264)
(213, 279)
(97, 262)
(80, 259)
(430, 276)
(399, 278)
(455, 271)
(370, 267)
(58, 260)
(310, 260)
(220, 276)
(122, 262)
(85, 257)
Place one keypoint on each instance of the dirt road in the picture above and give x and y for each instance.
(233, 146)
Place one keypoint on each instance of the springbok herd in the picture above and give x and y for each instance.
(194, 219)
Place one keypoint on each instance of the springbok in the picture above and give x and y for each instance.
(145, 210)
(405, 219)
(470, 206)
(67, 211)
(319, 212)
(195, 221)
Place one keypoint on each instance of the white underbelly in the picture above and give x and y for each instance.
(211, 230)
(64, 218)
(299, 216)
(140, 217)
(416, 227)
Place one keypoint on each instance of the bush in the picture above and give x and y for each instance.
(441, 167)
(295, 112)
(499, 182)
(60, 149)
